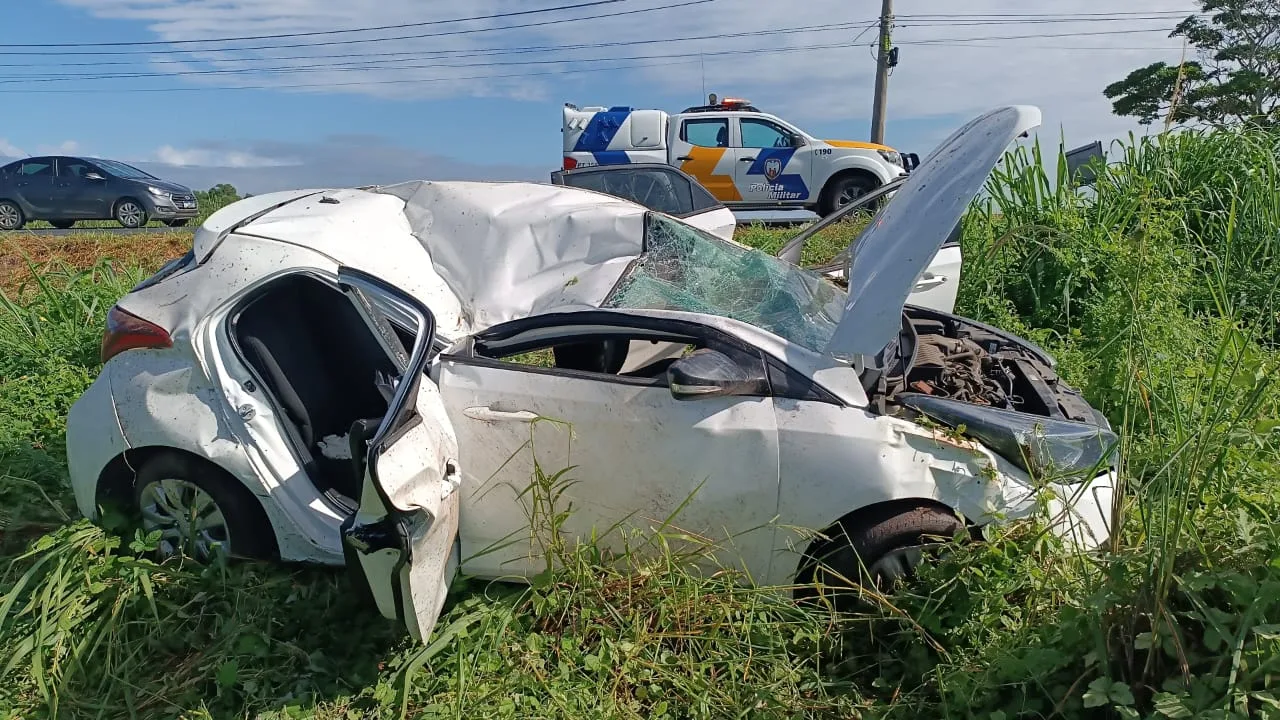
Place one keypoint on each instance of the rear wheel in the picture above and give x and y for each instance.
(63, 224)
(883, 547)
(11, 217)
(201, 511)
(130, 213)
(843, 190)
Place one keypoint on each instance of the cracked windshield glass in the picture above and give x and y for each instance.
(686, 269)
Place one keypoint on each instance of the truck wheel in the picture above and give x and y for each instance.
(889, 544)
(844, 190)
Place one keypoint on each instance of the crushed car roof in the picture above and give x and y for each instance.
(504, 250)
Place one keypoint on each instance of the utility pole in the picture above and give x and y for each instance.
(882, 72)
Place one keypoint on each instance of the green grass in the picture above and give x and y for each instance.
(1156, 293)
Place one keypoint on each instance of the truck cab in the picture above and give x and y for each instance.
(747, 158)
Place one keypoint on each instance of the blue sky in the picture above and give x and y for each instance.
(496, 114)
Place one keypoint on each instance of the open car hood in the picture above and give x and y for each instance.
(890, 255)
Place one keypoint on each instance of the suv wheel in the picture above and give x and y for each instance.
(130, 213)
(844, 190)
(11, 216)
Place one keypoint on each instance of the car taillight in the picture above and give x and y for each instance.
(126, 331)
(570, 163)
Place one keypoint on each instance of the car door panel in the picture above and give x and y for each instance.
(768, 168)
(701, 149)
(33, 185)
(635, 454)
(76, 197)
(402, 537)
(940, 282)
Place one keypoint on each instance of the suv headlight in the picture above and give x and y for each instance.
(157, 192)
(1044, 447)
(893, 157)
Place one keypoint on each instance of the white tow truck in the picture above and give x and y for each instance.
(746, 158)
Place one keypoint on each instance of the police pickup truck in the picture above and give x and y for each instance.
(746, 158)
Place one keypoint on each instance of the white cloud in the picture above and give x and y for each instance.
(66, 147)
(215, 157)
(344, 161)
(7, 149)
(1064, 75)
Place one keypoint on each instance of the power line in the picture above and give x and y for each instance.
(196, 88)
(399, 55)
(357, 41)
(932, 41)
(1036, 15)
(403, 67)
(281, 36)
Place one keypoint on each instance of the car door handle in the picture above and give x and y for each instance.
(682, 158)
(750, 159)
(930, 282)
(488, 414)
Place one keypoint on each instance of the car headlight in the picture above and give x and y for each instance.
(157, 192)
(1042, 446)
(893, 157)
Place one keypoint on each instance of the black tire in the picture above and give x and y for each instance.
(63, 224)
(843, 189)
(130, 213)
(881, 541)
(249, 533)
(180, 222)
(11, 217)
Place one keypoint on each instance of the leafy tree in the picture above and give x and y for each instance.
(218, 196)
(1236, 78)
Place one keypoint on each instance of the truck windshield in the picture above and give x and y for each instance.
(686, 269)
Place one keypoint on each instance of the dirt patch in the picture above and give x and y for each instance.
(20, 252)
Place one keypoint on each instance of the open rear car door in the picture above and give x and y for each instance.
(402, 539)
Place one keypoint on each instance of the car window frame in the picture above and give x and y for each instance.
(728, 132)
(52, 162)
(783, 131)
(89, 167)
(633, 327)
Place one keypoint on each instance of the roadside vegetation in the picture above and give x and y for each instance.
(1156, 290)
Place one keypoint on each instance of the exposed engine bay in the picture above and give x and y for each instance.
(946, 356)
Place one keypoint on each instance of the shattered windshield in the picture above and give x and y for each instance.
(683, 268)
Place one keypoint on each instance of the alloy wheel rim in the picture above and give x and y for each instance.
(188, 518)
(131, 214)
(8, 217)
(851, 193)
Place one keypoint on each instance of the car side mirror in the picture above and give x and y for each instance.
(708, 373)
(797, 141)
(92, 176)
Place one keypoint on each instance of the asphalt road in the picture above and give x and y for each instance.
(54, 232)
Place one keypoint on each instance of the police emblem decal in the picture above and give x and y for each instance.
(772, 169)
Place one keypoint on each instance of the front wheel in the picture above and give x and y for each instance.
(200, 511)
(130, 213)
(11, 217)
(844, 190)
(884, 548)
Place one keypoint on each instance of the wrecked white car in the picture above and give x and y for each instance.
(359, 376)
